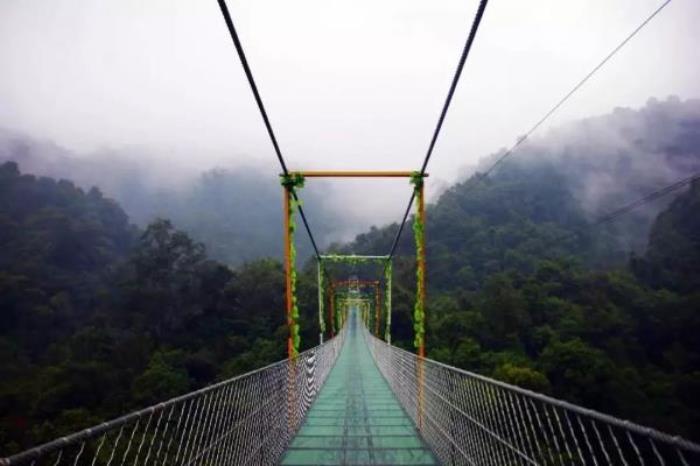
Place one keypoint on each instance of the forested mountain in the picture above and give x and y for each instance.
(235, 211)
(99, 316)
(521, 288)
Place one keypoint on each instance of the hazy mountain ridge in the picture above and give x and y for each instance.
(613, 159)
(85, 333)
(524, 288)
(603, 162)
(236, 212)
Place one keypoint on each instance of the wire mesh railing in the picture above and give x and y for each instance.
(246, 420)
(468, 419)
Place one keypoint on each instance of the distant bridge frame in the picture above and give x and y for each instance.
(296, 178)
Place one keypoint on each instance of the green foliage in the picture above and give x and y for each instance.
(352, 259)
(294, 318)
(418, 235)
(573, 318)
(321, 274)
(98, 318)
(292, 181)
(524, 377)
(164, 378)
(388, 273)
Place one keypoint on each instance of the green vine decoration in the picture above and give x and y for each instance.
(388, 272)
(296, 338)
(339, 310)
(351, 259)
(291, 182)
(418, 234)
(416, 180)
(321, 290)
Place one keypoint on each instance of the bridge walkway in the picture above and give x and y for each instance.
(356, 419)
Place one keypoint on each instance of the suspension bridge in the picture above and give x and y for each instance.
(355, 399)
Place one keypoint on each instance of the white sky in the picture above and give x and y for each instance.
(347, 83)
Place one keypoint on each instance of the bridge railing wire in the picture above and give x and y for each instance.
(246, 420)
(468, 419)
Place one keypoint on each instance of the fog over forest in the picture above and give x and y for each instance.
(236, 211)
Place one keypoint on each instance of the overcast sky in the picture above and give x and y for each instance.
(354, 84)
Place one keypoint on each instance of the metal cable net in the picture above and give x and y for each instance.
(468, 419)
(249, 419)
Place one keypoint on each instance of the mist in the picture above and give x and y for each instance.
(236, 210)
(148, 100)
(359, 86)
(611, 160)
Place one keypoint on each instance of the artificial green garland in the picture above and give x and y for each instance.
(388, 272)
(292, 181)
(418, 235)
(351, 259)
(321, 321)
(296, 338)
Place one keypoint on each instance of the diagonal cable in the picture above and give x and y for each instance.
(568, 95)
(450, 93)
(622, 210)
(263, 112)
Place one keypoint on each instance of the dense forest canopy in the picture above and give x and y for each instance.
(509, 299)
(99, 316)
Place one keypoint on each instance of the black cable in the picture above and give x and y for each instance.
(455, 80)
(614, 214)
(610, 216)
(561, 102)
(263, 112)
(450, 93)
(403, 222)
(306, 225)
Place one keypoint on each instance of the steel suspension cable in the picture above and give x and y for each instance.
(568, 95)
(450, 93)
(622, 210)
(263, 112)
(661, 192)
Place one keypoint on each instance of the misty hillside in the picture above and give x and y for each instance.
(236, 212)
(609, 160)
(577, 174)
(99, 316)
(522, 288)
(600, 162)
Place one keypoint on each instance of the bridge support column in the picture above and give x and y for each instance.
(377, 308)
(289, 305)
(331, 312)
(419, 310)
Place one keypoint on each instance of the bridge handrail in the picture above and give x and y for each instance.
(289, 386)
(468, 418)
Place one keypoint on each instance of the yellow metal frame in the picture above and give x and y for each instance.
(354, 173)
